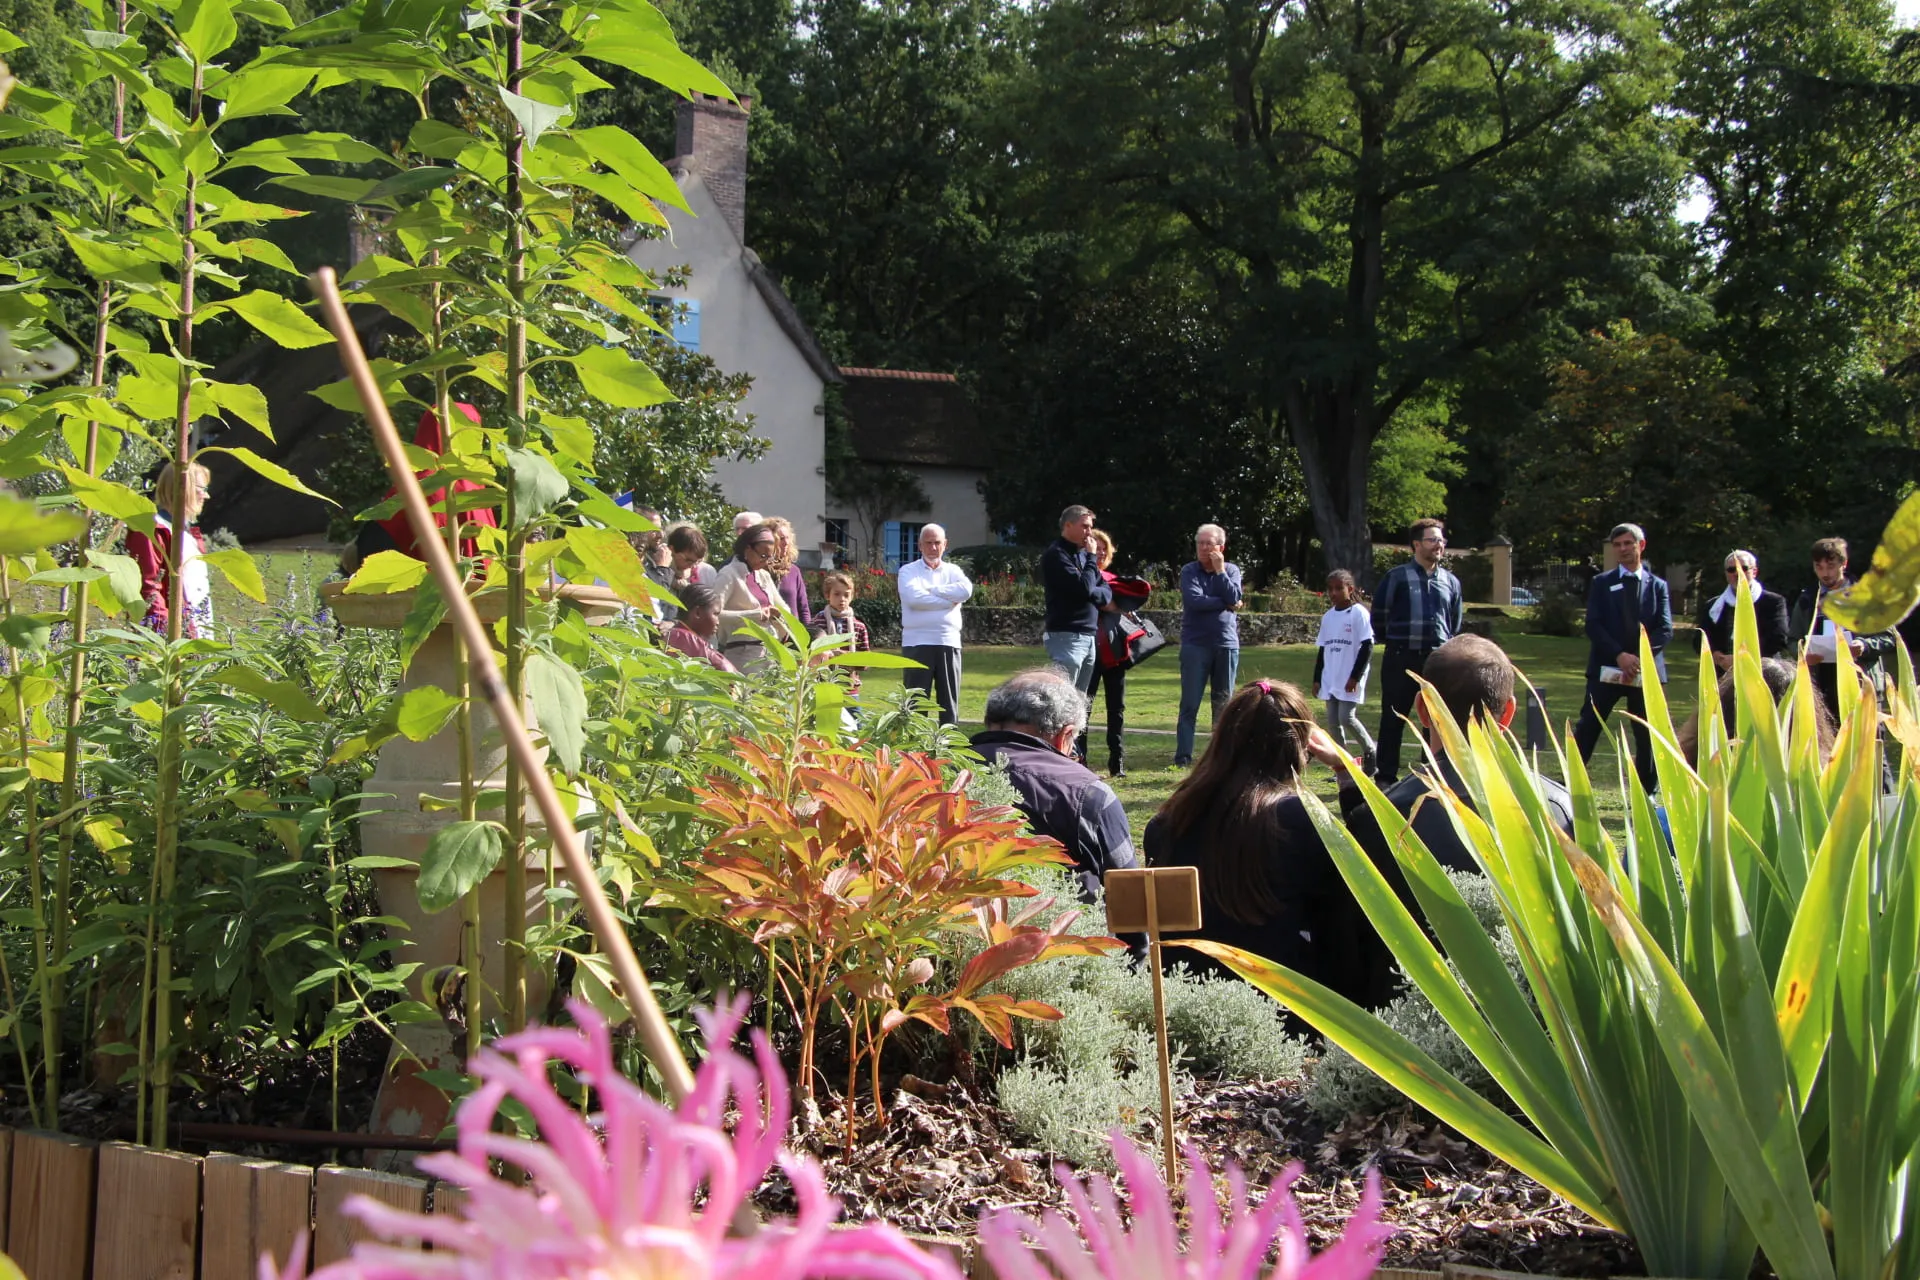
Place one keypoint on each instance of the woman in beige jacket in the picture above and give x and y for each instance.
(748, 593)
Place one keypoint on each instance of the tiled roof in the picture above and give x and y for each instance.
(916, 419)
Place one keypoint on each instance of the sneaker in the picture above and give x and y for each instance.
(1183, 762)
(1116, 768)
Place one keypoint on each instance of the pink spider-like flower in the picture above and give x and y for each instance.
(1098, 1245)
(650, 1193)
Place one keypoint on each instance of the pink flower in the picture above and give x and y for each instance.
(1099, 1246)
(648, 1194)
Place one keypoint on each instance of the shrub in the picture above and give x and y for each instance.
(1093, 1069)
(855, 871)
(1096, 1075)
(1559, 613)
(992, 560)
(1340, 1084)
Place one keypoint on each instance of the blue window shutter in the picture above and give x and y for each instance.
(890, 540)
(686, 323)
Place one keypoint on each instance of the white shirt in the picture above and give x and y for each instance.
(930, 600)
(1342, 631)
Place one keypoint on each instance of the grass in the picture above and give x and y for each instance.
(280, 571)
(1556, 666)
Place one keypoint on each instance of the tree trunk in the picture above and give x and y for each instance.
(1334, 429)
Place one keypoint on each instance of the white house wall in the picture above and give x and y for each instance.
(955, 502)
(738, 329)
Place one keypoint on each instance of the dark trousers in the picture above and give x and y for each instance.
(1114, 681)
(1398, 689)
(1601, 700)
(941, 677)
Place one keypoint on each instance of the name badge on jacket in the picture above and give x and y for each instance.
(1617, 586)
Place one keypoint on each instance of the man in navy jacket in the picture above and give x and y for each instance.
(1621, 602)
(1076, 593)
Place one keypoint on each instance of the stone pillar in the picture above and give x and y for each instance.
(393, 824)
(1679, 576)
(1499, 552)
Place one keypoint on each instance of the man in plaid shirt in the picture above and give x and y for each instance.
(1416, 609)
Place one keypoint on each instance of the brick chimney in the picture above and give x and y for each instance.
(710, 139)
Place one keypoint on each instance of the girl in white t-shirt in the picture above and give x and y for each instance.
(1340, 667)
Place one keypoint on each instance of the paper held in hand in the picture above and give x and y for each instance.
(1614, 675)
(1822, 646)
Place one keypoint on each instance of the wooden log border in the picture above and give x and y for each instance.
(77, 1210)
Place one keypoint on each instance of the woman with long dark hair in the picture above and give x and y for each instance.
(1267, 883)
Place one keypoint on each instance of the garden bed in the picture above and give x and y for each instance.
(947, 1156)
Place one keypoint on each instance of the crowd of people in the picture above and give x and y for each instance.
(1268, 883)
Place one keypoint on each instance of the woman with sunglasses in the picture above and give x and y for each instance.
(748, 593)
(1769, 607)
(1267, 882)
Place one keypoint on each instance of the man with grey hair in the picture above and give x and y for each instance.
(745, 520)
(1032, 721)
(1210, 602)
(932, 589)
(1622, 601)
(1076, 592)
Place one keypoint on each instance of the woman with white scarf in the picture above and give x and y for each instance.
(1769, 607)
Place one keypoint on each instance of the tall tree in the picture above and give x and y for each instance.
(1637, 427)
(889, 210)
(1811, 247)
(1133, 410)
(1374, 192)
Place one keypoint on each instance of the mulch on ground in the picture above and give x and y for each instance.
(946, 1155)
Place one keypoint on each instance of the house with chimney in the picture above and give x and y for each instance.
(731, 307)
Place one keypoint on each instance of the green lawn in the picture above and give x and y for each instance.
(1555, 665)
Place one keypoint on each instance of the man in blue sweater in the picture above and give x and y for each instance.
(1210, 600)
(1417, 607)
(1076, 592)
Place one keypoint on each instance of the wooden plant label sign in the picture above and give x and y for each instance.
(1175, 896)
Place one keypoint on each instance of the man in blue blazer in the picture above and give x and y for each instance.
(1622, 601)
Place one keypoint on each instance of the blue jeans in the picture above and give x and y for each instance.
(1198, 665)
(1075, 654)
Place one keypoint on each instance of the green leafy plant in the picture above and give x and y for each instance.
(1725, 1050)
(143, 204)
(491, 251)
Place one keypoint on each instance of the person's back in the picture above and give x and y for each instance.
(1473, 677)
(1267, 883)
(1032, 722)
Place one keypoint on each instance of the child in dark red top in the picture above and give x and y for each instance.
(699, 622)
(176, 510)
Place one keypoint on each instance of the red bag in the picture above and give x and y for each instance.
(1128, 638)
